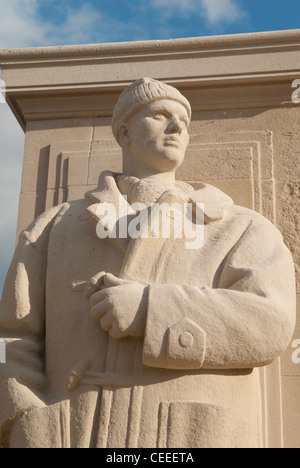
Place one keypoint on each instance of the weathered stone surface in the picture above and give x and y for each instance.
(242, 112)
(289, 219)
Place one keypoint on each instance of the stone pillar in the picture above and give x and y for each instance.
(245, 140)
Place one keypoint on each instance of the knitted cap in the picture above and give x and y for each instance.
(141, 93)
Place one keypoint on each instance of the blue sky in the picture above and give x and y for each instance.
(56, 22)
(34, 23)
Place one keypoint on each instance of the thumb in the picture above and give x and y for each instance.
(111, 281)
(95, 284)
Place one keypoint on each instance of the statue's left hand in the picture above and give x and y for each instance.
(121, 307)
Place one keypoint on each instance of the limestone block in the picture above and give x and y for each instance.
(68, 163)
(216, 163)
(78, 192)
(71, 169)
(68, 193)
(39, 136)
(241, 191)
(102, 128)
(291, 406)
(242, 159)
(104, 153)
(287, 142)
(288, 219)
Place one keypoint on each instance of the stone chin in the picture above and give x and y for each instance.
(170, 158)
(170, 155)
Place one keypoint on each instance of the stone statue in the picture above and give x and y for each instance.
(139, 341)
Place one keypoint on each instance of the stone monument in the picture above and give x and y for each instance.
(166, 355)
(143, 340)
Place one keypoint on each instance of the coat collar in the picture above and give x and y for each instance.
(215, 201)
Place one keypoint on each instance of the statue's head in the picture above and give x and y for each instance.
(150, 123)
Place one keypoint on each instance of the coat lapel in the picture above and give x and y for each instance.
(142, 255)
(108, 192)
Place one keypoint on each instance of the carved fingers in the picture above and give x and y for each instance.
(120, 306)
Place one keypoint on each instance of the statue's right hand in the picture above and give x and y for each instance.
(120, 307)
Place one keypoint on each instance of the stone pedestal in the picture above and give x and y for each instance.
(244, 139)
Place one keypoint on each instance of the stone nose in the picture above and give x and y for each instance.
(176, 125)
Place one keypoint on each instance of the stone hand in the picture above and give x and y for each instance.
(120, 306)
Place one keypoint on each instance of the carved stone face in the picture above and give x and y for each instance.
(157, 135)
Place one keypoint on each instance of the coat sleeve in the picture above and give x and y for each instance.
(245, 322)
(22, 325)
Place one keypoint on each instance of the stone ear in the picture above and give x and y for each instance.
(124, 134)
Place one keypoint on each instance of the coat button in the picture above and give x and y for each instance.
(186, 340)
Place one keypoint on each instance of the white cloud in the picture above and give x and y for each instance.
(214, 12)
(217, 11)
(22, 25)
(79, 25)
(19, 26)
(178, 6)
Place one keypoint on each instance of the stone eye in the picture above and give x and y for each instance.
(159, 116)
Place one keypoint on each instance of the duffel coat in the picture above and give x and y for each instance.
(215, 314)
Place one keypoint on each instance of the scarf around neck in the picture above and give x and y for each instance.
(147, 191)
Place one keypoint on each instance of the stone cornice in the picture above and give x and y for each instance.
(91, 72)
(209, 44)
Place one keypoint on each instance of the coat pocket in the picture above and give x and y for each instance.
(47, 427)
(194, 425)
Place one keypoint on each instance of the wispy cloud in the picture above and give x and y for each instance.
(79, 25)
(22, 24)
(30, 23)
(177, 7)
(214, 12)
(227, 11)
(25, 23)
(19, 25)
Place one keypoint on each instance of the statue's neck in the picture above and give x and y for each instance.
(141, 171)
